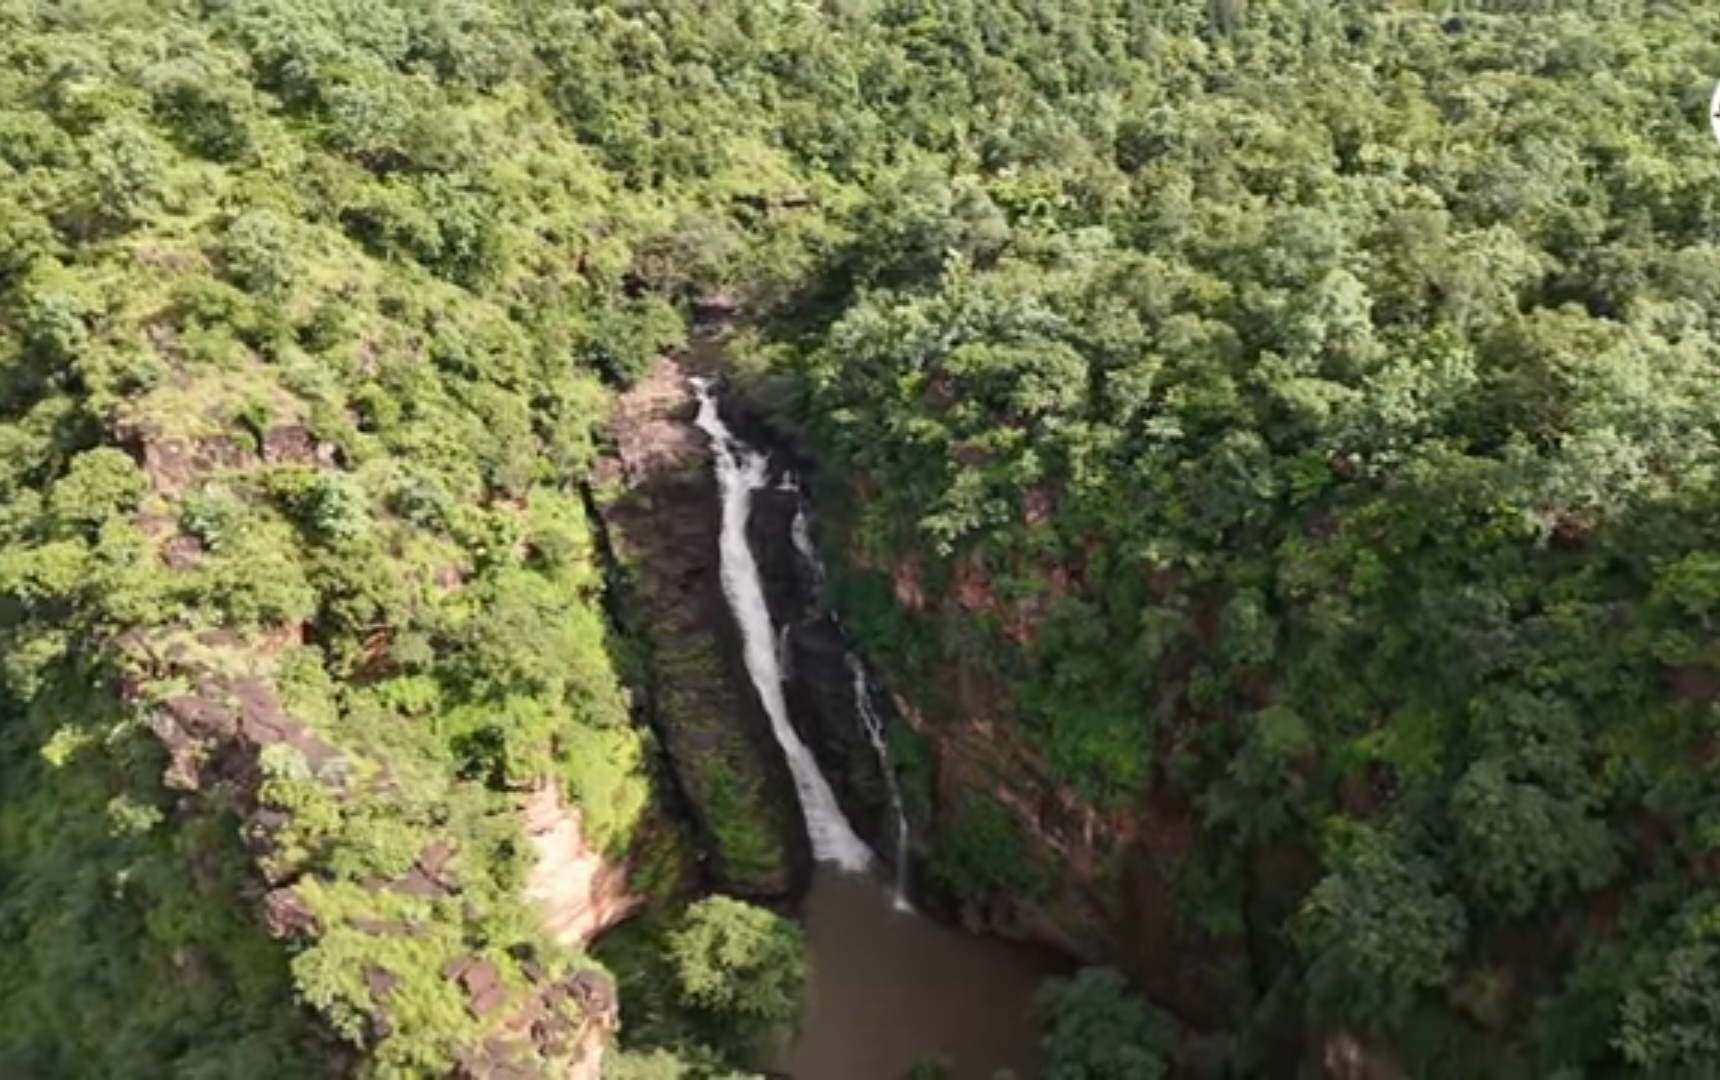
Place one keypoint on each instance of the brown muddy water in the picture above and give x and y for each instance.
(890, 988)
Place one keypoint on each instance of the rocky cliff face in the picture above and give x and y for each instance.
(998, 842)
(659, 502)
(1011, 850)
(581, 893)
(1097, 885)
(962, 714)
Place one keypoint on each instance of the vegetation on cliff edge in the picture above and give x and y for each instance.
(306, 316)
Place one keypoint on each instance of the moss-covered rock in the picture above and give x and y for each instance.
(661, 506)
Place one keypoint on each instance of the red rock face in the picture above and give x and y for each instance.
(581, 893)
(905, 580)
(1037, 506)
(1346, 1057)
(1113, 874)
(973, 589)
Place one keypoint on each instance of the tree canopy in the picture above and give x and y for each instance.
(1098, 1030)
(1288, 426)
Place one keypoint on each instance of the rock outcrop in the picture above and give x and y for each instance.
(580, 892)
(213, 700)
(558, 1028)
(1096, 884)
(659, 503)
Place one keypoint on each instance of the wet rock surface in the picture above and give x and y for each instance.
(659, 503)
(822, 702)
(819, 683)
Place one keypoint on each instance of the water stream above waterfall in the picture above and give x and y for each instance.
(889, 988)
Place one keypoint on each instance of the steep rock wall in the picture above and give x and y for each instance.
(1059, 873)
(999, 842)
(660, 507)
(1024, 857)
(580, 891)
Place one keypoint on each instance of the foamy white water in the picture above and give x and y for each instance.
(741, 470)
(800, 532)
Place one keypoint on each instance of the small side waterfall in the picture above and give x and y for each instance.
(801, 534)
(742, 470)
(875, 732)
(784, 654)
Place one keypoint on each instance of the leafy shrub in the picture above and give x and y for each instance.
(741, 968)
(1097, 1029)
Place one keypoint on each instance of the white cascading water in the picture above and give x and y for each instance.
(784, 654)
(801, 533)
(875, 732)
(741, 470)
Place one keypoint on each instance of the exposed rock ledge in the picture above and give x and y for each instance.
(211, 698)
(580, 892)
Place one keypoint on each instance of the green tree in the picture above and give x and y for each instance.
(1516, 843)
(741, 969)
(1098, 1029)
(1377, 933)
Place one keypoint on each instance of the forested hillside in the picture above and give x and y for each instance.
(1271, 448)
(304, 315)
(1282, 453)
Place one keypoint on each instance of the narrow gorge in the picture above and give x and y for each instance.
(890, 988)
(742, 470)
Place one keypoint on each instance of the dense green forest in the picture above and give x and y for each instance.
(1295, 421)
(1307, 418)
(305, 314)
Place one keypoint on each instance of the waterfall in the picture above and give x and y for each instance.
(742, 470)
(784, 654)
(875, 732)
(801, 534)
